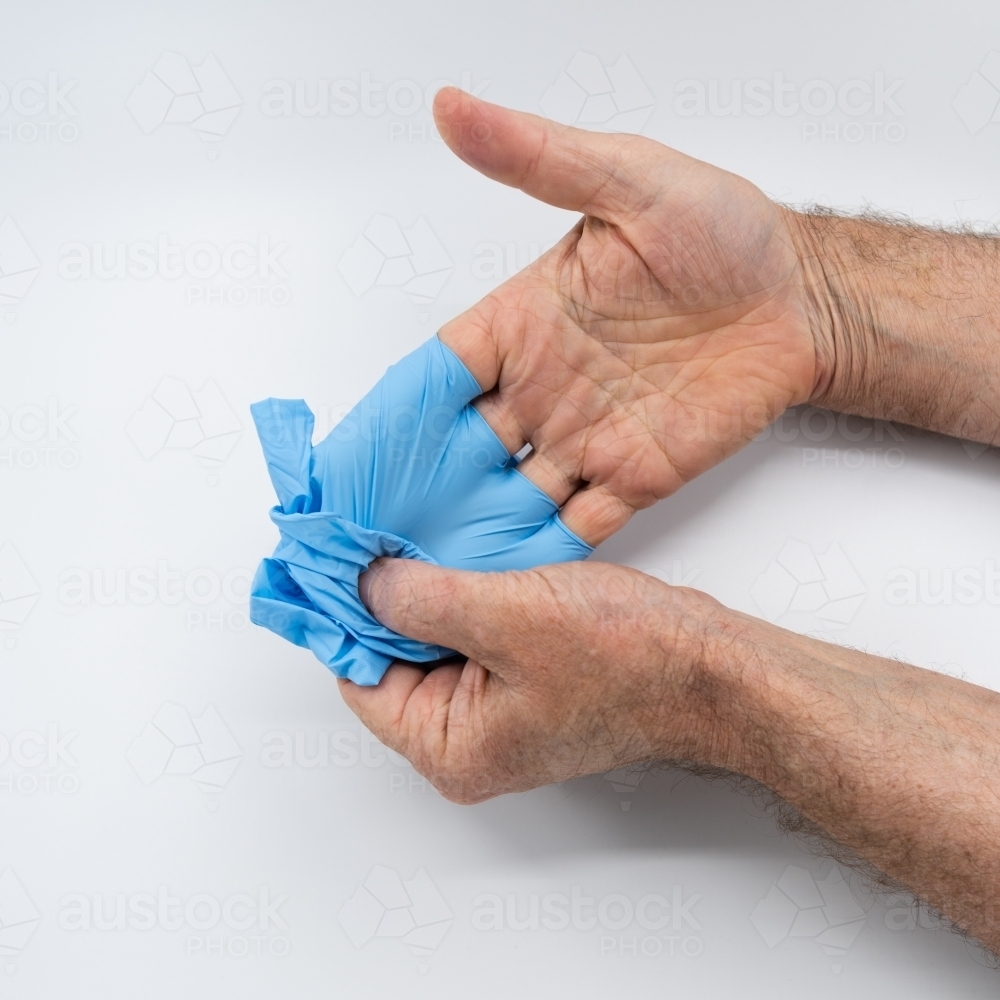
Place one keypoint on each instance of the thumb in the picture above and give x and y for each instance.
(446, 607)
(608, 176)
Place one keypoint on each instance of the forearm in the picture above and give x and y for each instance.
(579, 668)
(897, 763)
(906, 322)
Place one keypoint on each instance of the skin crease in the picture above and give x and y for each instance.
(666, 330)
(680, 316)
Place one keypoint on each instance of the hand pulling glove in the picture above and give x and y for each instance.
(413, 471)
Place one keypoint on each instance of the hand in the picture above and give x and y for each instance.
(660, 335)
(584, 667)
(573, 669)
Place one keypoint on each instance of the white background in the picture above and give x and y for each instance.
(83, 823)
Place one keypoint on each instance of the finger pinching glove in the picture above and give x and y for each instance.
(413, 471)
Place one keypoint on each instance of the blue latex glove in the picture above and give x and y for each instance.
(412, 471)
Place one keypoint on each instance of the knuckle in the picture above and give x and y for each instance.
(460, 777)
(616, 585)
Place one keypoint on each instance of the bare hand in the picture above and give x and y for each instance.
(572, 669)
(660, 335)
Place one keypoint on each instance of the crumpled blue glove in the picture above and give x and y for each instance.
(413, 471)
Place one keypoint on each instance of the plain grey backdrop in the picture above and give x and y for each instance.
(205, 204)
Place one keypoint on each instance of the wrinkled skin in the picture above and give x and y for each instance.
(536, 701)
(659, 336)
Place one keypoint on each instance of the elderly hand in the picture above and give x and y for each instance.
(573, 669)
(683, 313)
(660, 335)
(584, 667)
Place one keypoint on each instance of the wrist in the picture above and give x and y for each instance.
(704, 678)
(786, 708)
(836, 307)
(744, 695)
(904, 321)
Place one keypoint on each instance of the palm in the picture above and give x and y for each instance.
(659, 336)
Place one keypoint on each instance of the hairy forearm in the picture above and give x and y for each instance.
(906, 321)
(899, 764)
